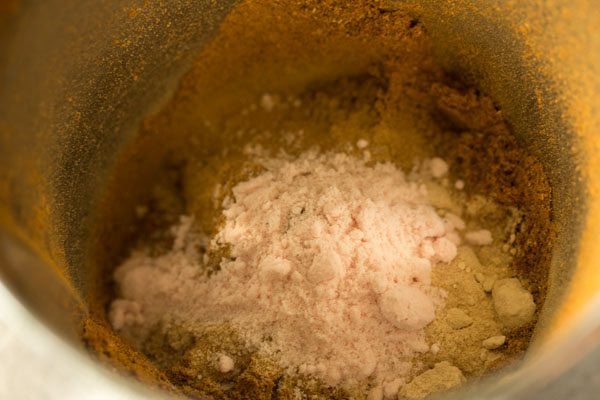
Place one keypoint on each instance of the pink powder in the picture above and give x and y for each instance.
(331, 259)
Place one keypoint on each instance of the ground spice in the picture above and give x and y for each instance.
(456, 336)
(328, 257)
(365, 74)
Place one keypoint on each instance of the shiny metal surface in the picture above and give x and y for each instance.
(36, 364)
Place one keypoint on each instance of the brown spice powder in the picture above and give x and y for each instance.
(297, 47)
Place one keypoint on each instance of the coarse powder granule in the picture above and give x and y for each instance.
(329, 269)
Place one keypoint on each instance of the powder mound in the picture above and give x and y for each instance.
(329, 271)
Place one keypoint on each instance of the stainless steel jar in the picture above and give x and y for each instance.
(76, 78)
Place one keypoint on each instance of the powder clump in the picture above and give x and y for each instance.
(443, 376)
(458, 319)
(514, 305)
(494, 342)
(226, 363)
